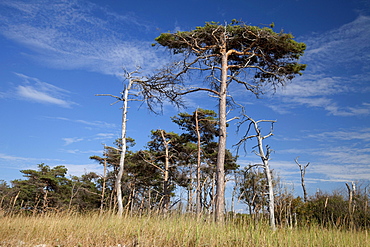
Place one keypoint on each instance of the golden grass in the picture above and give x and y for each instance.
(174, 230)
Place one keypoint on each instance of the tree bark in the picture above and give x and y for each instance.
(303, 173)
(166, 199)
(266, 166)
(220, 169)
(104, 183)
(198, 192)
(265, 163)
(123, 148)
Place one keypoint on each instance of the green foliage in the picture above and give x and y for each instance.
(46, 187)
(253, 190)
(85, 195)
(49, 189)
(273, 55)
(333, 210)
(207, 125)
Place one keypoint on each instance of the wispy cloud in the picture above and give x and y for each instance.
(2, 95)
(362, 134)
(337, 156)
(343, 46)
(338, 63)
(36, 90)
(97, 124)
(77, 34)
(81, 169)
(105, 136)
(25, 159)
(70, 140)
(78, 151)
(344, 155)
(343, 173)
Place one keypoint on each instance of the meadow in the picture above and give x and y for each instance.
(75, 229)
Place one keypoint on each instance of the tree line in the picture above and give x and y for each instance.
(173, 162)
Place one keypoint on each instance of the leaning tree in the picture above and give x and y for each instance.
(223, 53)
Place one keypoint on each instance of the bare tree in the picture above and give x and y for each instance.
(224, 52)
(351, 205)
(104, 178)
(166, 171)
(137, 89)
(302, 168)
(264, 154)
(124, 98)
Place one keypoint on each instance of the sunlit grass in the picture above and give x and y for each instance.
(156, 230)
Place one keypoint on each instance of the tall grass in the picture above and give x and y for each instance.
(157, 230)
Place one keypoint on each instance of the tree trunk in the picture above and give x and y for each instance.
(220, 169)
(266, 166)
(166, 199)
(198, 192)
(104, 184)
(303, 173)
(271, 196)
(303, 187)
(123, 149)
(351, 191)
(190, 190)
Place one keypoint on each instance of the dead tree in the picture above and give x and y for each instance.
(303, 173)
(264, 154)
(351, 206)
(104, 178)
(124, 98)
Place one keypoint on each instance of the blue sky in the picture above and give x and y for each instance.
(56, 55)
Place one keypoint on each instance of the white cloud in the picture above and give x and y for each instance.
(78, 170)
(2, 95)
(41, 92)
(98, 124)
(26, 159)
(32, 94)
(13, 158)
(71, 140)
(343, 46)
(78, 34)
(348, 111)
(104, 136)
(344, 155)
(337, 63)
(362, 134)
(324, 169)
(342, 173)
(337, 156)
(314, 85)
(78, 151)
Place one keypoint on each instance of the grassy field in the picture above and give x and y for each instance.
(174, 230)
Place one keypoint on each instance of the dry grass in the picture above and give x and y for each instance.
(174, 230)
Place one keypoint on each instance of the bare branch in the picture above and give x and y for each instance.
(231, 119)
(150, 162)
(303, 172)
(111, 95)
